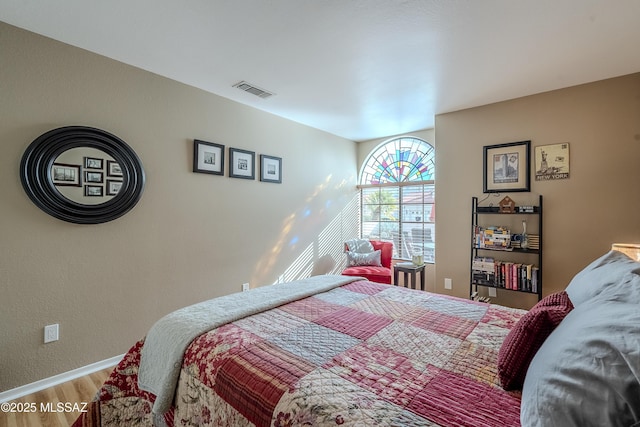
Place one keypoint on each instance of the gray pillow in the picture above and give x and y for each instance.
(360, 246)
(587, 372)
(601, 273)
(355, 259)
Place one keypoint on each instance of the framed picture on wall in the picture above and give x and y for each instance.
(113, 168)
(552, 162)
(93, 177)
(241, 163)
(66, 175)
(270, 169)
(93, 163)
(506, 167)
(208, 157)
(113, 187)
(93, 191)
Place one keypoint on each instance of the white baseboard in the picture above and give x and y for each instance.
(34, 387)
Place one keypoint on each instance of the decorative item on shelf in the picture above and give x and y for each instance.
(515, 240)
(417, 259)
(526, 209)
(524, 241)
(507, 205)
(632, 250)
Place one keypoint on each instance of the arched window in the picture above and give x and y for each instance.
(399, 160)
(397, 186)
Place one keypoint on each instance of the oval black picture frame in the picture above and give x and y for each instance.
(38, 160)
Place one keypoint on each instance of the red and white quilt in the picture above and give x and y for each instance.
(360, 354)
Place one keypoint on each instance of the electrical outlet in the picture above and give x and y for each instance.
(492, 292)
(51, 333)
(447, 283)
(245, 287)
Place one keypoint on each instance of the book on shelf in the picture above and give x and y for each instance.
(535, 272)
(505, 274)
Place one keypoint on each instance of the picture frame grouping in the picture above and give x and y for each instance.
(507, 167)
(209, 157)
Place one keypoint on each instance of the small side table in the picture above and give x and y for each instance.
(409, 268)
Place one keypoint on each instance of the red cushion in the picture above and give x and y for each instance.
(386, 251)
(526, 337)
(375, 274)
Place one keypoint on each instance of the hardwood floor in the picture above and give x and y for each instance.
(81, 390)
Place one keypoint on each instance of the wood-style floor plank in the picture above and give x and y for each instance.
(80, 390)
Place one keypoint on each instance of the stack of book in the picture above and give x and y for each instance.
(492, 238)
(483, 271)
(534, 241)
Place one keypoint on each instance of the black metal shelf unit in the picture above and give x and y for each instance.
(506, 267)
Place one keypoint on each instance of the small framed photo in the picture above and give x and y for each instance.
(113, 187)
(506, 167)
(241, 163)
(64, 174)
(113, 168)
(93, 163)
(93, 177)
(270, 169)
(93, 191)
(208, 157)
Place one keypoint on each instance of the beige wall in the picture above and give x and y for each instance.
(584, 214)
(191, 237)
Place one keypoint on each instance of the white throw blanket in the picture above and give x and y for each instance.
(167, 340)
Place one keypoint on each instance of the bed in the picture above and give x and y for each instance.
(333, 350)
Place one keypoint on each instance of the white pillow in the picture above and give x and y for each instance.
(606, 271)
(355, 259)
(587, 372)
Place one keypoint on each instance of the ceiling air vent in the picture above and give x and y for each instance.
(248, 87)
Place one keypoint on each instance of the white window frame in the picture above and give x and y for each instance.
(410, 226)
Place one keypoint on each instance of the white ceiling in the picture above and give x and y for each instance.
(360, 69)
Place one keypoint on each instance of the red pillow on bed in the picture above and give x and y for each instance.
(526, 337)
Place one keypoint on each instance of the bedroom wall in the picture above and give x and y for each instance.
(583, 215)
(191, 237)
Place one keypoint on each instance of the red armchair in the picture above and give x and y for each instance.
(380, 274)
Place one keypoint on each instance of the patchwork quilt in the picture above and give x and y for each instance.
(363, 354)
